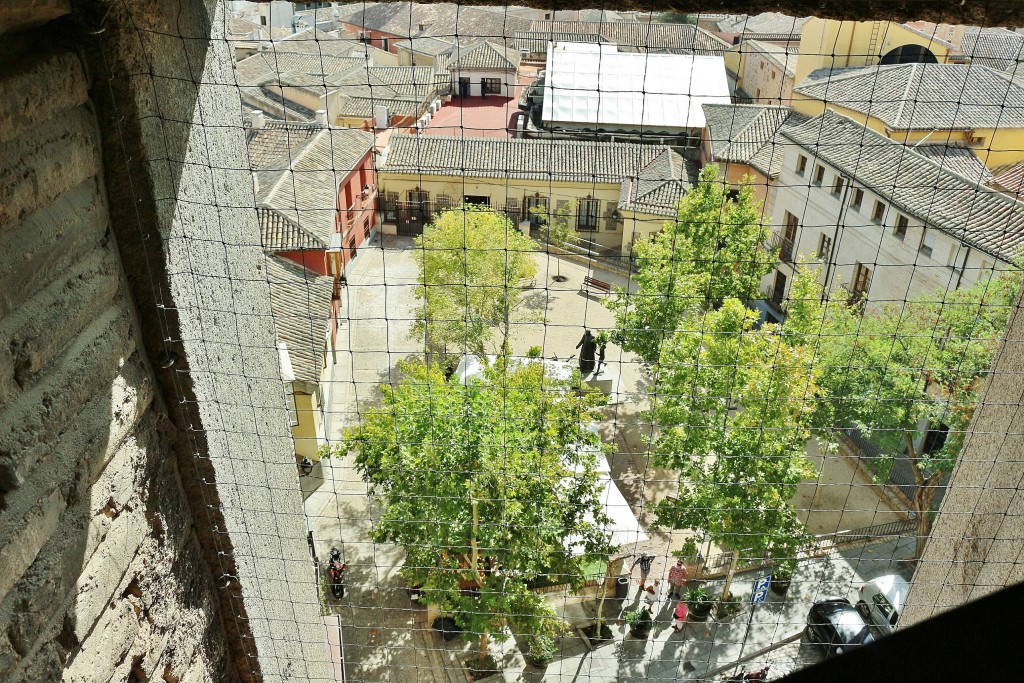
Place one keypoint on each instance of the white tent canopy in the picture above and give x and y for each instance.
(596, 86)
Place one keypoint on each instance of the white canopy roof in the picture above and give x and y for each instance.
(624, 528)
(595, 84)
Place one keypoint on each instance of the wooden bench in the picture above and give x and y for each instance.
(593, 283)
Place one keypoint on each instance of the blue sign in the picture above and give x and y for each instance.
(760, 589)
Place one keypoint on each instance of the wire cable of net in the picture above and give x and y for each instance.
(768, 410)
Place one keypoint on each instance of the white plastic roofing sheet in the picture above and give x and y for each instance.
(599, 86)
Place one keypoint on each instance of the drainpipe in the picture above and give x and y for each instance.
(827, 287)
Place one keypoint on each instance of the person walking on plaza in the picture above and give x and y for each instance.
(679, 616)
(677, 577)
(645, 561)
(651, 595)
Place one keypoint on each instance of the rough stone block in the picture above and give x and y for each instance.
(36, 168)
(49, 241)
(37, 89)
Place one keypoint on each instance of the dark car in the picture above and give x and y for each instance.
(837, 626)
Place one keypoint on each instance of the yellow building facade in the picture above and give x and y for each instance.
(614, 205)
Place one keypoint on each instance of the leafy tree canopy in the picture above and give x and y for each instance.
(714, 250)
(735, 406)
(471, 262)
(485, 485)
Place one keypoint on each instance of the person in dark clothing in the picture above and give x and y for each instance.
(645, 561)
(588, 348)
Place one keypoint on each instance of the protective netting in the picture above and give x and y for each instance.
(604, 317)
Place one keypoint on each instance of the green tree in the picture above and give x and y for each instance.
(675, 18)
(714, 250)
(907, 376)
(471, 262)
(735, 407)
(485, 486)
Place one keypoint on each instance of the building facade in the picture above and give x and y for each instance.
(880, 222)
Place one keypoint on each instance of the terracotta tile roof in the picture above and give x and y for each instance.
(639, 35)
(427, 45)
(658, 187)
(998, 48)
(280, 233)
(981, 217)
(484, 55)
(274, 140)
(922, 96)
(300, 301)
(441, 20)
(764, 24)
(304, 187)
(957, 158)
(548, 160)
(747, 133)
(1010, 179)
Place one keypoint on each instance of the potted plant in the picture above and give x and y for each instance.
(540, 650)
(782, 576)
(640, 622)
(699, 603)
(691, 556)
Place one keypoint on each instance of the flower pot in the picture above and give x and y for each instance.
(640, 632)
(700, 611)
(781, 585)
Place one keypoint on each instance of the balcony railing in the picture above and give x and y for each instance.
(783, 246)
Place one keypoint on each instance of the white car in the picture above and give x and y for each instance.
(881, 601)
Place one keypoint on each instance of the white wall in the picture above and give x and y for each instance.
(899, 269)
(508, 81)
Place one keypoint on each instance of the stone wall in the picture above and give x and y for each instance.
(102, 577)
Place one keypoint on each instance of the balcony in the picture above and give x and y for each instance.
(781, 245)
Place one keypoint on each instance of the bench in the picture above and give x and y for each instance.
(593, 283)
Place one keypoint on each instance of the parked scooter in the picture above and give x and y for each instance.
(336, 574)
(743, 677)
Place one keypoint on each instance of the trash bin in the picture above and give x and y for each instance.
(622, 590)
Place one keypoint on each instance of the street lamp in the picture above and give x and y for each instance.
(305, 466)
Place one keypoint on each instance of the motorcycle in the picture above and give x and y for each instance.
(336, 574)
(743, 677)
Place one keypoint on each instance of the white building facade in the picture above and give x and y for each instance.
(880, 220)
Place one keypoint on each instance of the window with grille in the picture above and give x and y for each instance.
(587, 213)
(927, 242)
(837, 186)
(819, 174)
(824, 246)
(878, 213)
(801, 164)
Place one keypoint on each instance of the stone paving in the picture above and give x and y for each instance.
(386, 635)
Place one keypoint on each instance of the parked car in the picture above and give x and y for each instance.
(881, 601)
(837, 626)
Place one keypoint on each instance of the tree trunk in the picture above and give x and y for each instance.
(474, 565)
(730, 574)
(924, 494)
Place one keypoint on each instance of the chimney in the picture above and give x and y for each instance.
(321, 118)
(256, 119)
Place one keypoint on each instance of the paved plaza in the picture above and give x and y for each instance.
(387, 637)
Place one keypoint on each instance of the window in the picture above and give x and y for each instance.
(778, 289)
(773, 74)
(801, 164)
(900, 231)
(293, 410)
(837, 186)
(819, 174)
(418, 197)
(858, 198)
(384, 44)
(536, 210)
(788, 240)
(586, 218)
(861, 281)
(490, 86)
(975, 141)
(879, 212)
(927, 242)
(824, 246)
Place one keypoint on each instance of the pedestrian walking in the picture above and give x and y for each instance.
(645, 561)
(679, 616)
(651, 595)
(677, 577)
